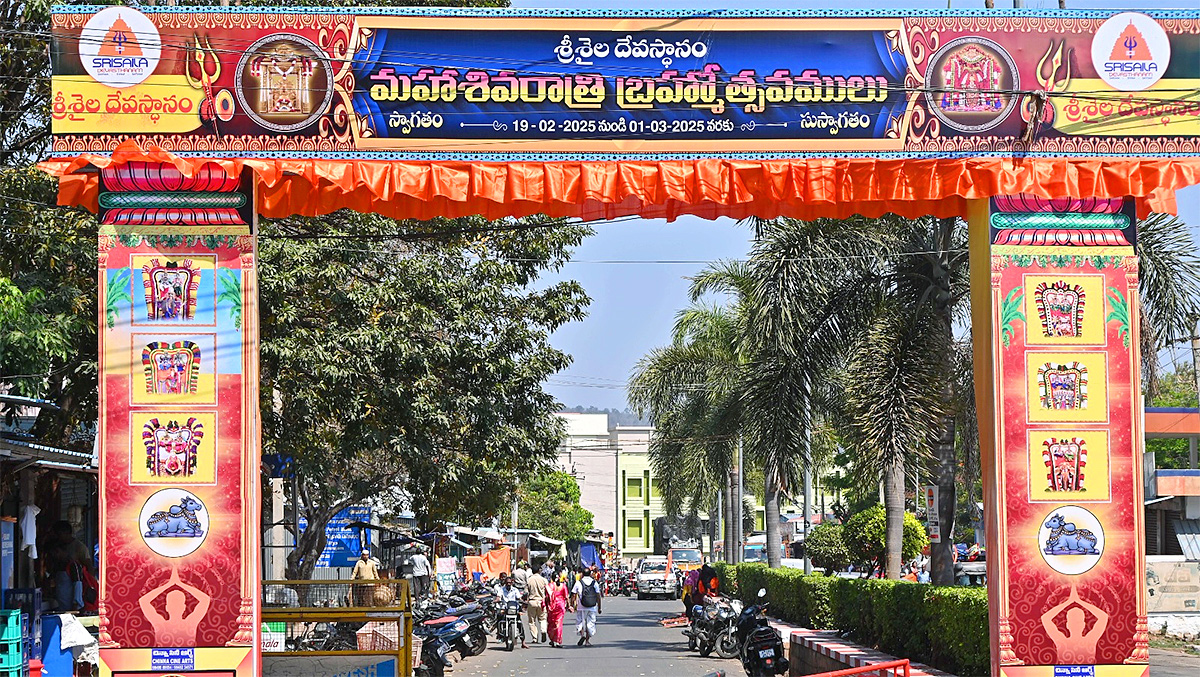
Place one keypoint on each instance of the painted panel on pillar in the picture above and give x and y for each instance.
(1070, 556)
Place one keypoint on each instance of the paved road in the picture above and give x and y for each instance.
(629, 642)
(1166, 663)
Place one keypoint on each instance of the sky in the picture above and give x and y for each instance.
(636, 270)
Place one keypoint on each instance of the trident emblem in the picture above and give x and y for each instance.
(1130, 45)
(119, 40)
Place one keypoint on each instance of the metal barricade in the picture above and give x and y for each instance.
(339, 618)
(897, 668)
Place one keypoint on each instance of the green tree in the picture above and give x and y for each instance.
(865, 536)
(826, 547)
(408, 361)
(48, 318)
(549, 501)
(1175, 389)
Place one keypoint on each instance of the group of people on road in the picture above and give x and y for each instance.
(549, 594)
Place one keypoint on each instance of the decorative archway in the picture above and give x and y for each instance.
(1051, 130)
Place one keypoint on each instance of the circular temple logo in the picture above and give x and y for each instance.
(1130, 51)
(970, 84)
(1071, 540)
(119, 47)
(173, 522)
(284, 82)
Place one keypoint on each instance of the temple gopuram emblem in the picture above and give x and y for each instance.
(1060, 308)
(970, 80)
(1062, 386)
(973, 77)
(285, 77)
(1065, 460)
(171, 368)
(170, 289)
(171, 448)
(284, 82)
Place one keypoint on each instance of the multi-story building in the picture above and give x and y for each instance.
(590, 457)
(638, 499)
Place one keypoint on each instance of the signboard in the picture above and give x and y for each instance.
(396, 83)
(1173, 586)
(1065, 545)
(342, 545)
(929, 495)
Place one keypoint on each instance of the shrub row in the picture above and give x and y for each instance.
(945, 627)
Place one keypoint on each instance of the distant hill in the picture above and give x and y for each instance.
(615, 416)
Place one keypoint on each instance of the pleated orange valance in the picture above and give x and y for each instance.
(710, 187)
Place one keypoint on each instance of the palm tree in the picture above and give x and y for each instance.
(687, 390)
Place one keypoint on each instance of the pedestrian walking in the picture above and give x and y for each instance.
(536, 593)
(367, 570)
(587, 600)
(548, 570)
(421, 571)
(556, 609)
(521, 575)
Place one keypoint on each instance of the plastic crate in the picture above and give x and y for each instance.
(12, 655)
(14, 672)
(28, 600)
(10, 624)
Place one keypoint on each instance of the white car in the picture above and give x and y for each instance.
(654, 579)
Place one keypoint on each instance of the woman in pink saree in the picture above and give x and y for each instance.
(556, 608)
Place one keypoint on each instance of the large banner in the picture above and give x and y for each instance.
(1067, 548)
(405, 83)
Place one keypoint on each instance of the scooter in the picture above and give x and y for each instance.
(460, 627)
(761, 645)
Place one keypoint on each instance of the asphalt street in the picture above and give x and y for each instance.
(629, 642)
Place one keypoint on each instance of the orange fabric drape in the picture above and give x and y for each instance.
(797, 187)
(491, 564)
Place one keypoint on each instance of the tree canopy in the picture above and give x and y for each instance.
(550, 501)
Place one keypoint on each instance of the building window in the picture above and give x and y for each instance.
(633, 529)
(633, 488)
(654, 491)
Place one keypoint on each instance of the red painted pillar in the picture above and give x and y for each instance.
(1062, 418)
(179, 451)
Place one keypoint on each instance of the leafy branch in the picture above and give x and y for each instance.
(1010, 311)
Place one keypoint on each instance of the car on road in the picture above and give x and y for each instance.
(655, 578)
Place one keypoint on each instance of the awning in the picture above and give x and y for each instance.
(804, 187)
(546, 539)
(27, 401)
(41, 452)
(460, 544)
(464, 531)
(1187, 531)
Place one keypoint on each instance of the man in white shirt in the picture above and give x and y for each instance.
(507, 592)
(420, 574)
(587, 600)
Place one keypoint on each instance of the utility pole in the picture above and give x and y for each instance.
(741, 508)
(513, 558)
(807, 512)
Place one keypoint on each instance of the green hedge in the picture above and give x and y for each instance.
(946, 627)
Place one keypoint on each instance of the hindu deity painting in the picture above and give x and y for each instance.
(972, 79)
(1060, 309)
(1065, 460)
(171, 368)
(171, 448)
(285, 80)
(1062, 386)
(171, 289)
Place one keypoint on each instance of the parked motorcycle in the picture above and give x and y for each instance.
(508, 625)
(434, 654)
(463, 626)
(761, 647)
(713, 626)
